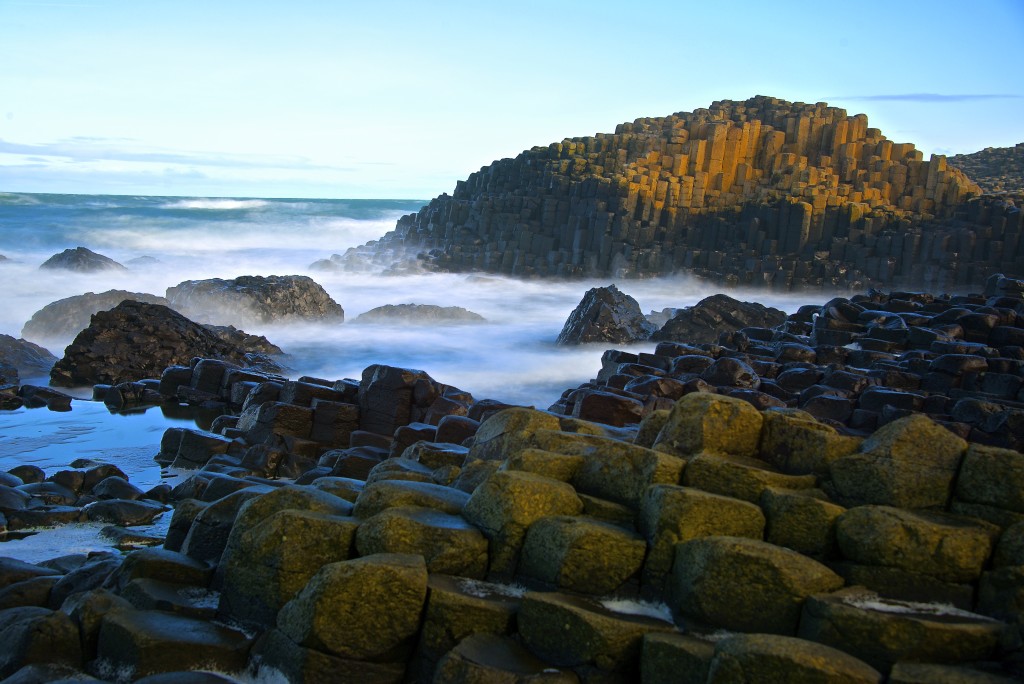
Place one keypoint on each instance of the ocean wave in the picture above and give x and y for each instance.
(216, 204)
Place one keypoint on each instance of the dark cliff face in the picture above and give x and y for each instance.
(763, 193)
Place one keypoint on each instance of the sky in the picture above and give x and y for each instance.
(397, 99)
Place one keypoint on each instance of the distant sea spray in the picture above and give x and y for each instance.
(511, 357)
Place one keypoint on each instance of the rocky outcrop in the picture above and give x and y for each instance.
(855, 365)
(81, 260)
(711, 316)
(28, 358)
(762, 192)
(419, 314)
(891, 550)
(135, 340)
(66, 317)
(605, 314)
(995, 169)
(249, 300)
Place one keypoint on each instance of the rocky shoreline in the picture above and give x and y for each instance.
(835, 497)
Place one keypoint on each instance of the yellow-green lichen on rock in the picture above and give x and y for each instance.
(702, 421)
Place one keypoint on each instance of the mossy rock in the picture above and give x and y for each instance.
(490, 658)
(882, 632)
(801, 521)
(670, 514)
(704, 422)
(795, 443)
(458, 607)
(146, 642)
(945, 546)
(447, 542)
(775, 658)
(561, 467)
(619, 471)
(929, 673)
(581, 555)
(270, 562)
(571, 631)
(507, 503)
(738, 476)
(379, 496)
(1010, 549)
(993, 477)
(650, 427)
(508, 431)
(363, 609)
(908, 463)
(668, 658)
(744, 584)
(275, 655)
(32, 634)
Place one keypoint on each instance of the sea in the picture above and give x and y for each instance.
(163, 241)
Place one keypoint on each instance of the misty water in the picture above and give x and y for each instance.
(511, 357)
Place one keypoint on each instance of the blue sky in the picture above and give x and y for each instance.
(401, 99)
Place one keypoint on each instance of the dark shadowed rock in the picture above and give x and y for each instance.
(82, 260)
(605, 315)
(66, 317)
(28, 358)
(255, 299)
(718, 313)
(135, 340)
(419, 314)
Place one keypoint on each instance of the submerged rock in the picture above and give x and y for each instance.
(716, 314)
(66, 317)
(81, 260)
(605, 314)
(135, 340)
(255, 299)
(420, 314)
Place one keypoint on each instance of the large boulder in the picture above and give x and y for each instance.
(82, 260)
(605, 315)
(25, 357)
(942, 545)
(775, 658)
(507, 503)
(419, 314)
(705, 422)
(909, 463)
(135, 340)
(745, 584)
(882, 633)
(363, 609)
(66, 317)
(255, 299)
(136, 643)
(718, 313)
(572, 631)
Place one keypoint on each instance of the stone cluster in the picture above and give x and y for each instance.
(431, 536)
(88, 491)
(995, 169)
(855, 364)
(762, 192)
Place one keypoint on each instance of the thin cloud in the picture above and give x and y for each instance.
(928, 97)
(89, 149)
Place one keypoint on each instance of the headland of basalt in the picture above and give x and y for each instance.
(761, 192)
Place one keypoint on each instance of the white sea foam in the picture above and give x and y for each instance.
(872, 601)
(651, 609)
(216, 204)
